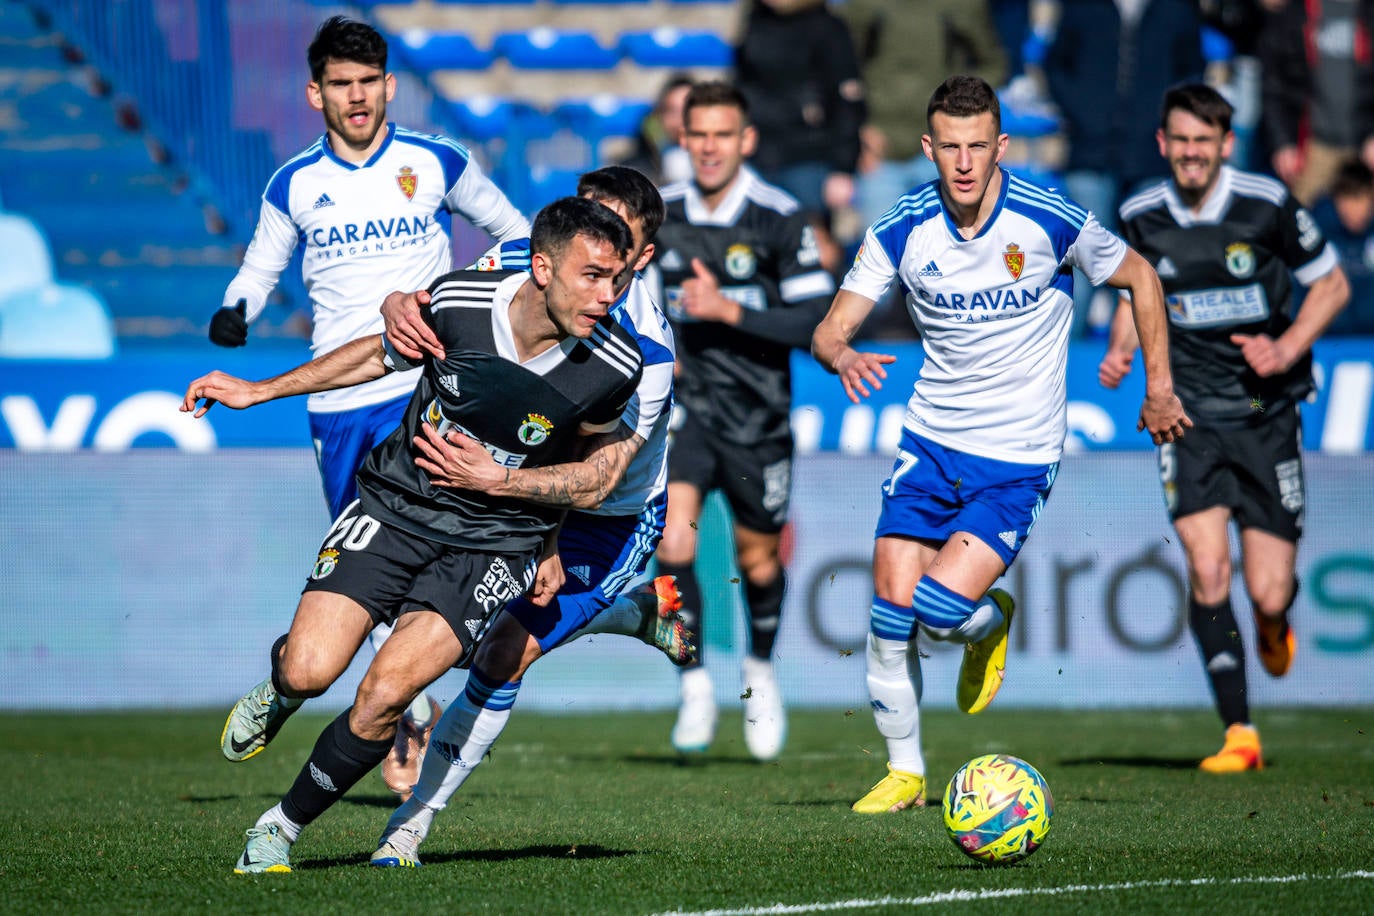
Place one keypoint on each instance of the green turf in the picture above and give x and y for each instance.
(594, 814)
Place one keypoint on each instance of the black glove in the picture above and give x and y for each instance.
(229, 327)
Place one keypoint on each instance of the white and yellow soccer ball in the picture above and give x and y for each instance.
(998, 809)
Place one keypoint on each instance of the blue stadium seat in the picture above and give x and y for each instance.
(602, 116)
(484, 117)
(428, 51)
(547, 184)
(55, 321)
(25, 259)
(546, 48)
(671, 47)
(484, 2)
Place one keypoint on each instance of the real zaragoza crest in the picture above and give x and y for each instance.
(1015, 259)
(408, 181)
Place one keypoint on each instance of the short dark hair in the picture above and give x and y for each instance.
(630, 187)
(712, 93)
(1199, 100)
(341, 38)
(1353, 179)
(965, 97)
(560, 222)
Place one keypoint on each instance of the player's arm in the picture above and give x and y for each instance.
(477, 199)
(1122, 342)
(1273, 356)
(246, 296)
(830, 346)
(1162, 413)
(460, 462)
(357, 361)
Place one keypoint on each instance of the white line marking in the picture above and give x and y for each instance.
(1002, 893)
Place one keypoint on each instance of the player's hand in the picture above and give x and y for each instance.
(405, 328)
(701, 298)
(1115, 366)
(1265, 355)
(548, 579)
(859, 372)
(1163, 416)
(458, 462)
(219, 388)
(229, 326)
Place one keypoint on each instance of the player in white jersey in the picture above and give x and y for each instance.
(985, 259)
(604, 543)
(371, 205)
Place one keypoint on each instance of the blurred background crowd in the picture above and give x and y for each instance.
(136, 135)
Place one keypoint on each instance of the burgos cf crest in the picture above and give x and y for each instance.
(535, 429)
(740, 262)
(1015, 259)
(407, 180)
(1240, 260)
(325, 564)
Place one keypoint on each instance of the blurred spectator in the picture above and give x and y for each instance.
(658, 150)
(797, 67)
(907, 50)
(1236, 73)
(1318, 90)
(1346, 219)
(1107, 68)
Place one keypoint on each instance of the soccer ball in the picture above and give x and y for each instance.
(998, 809)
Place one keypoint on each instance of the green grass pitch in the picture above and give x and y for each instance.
(137, 812)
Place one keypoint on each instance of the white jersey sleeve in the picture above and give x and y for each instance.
(872, 272)
(268, 254)
(1097, 252)
(477, 199)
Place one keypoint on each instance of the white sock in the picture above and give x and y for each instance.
(415, 814)
(289, 828)
(986, 617)
(456, 746)
(623, 617)
(893, 679)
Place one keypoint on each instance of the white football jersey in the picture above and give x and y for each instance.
(994, 313)
(367, 230)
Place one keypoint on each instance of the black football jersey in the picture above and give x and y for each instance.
(1226, 270)
(525, 414)
(763, 252)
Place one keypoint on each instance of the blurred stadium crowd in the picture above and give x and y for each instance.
(136, 135)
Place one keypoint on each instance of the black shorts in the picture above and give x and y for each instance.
(756, 479)
(1254, 471)
(391, 572)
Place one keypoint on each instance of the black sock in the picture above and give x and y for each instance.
(1223, 657)
(339, 760)
(764, 603)
(277, 648)
(690, 593)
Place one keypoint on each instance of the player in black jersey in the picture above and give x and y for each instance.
(743, 285)
(533, 362)
(1224, 242)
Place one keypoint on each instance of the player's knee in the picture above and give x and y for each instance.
(1210, 575)
(1273, 595)
(378, 705)
(303, 672)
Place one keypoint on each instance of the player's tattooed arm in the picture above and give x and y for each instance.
(357, 361)
(460, 462)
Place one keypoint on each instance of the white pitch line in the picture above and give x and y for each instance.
(959, 896)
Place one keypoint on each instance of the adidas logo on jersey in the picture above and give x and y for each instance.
(473, 626)
(450, 384)
(1166, 268)
(583, 574)
(671, 260)
(930, 270)
(1008, 538)
(323, 201)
